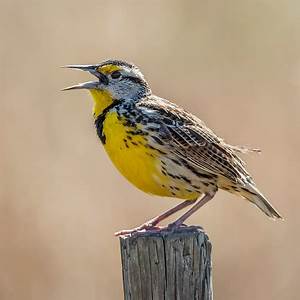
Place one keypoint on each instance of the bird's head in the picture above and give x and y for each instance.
(115, 80)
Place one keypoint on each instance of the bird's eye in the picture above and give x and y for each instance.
(115, 75)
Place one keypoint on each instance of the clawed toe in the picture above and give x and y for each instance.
(179, 226)
(147, 227)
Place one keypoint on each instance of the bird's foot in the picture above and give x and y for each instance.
(150, 228)
(177, 226)
(146, 227)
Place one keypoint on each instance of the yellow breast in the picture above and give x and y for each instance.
(141, 164)
(129, 153)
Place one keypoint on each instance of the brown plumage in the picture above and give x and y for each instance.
(188, 138)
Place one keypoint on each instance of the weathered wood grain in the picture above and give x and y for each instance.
(167, 265)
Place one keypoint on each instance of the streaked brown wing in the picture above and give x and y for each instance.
(210, 156)
(188, 138)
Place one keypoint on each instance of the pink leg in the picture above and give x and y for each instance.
(153, 222)
(199, 204)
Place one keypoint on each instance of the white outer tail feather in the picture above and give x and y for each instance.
(257, 198)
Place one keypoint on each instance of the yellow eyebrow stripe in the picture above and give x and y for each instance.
(109, 69)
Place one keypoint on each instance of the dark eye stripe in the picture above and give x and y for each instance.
(135, 79)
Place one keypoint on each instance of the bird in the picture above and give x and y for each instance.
(161, 148)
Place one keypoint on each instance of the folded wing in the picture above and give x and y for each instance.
(187, 137)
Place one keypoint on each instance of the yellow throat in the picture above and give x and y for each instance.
(130, 153)
(102, 99)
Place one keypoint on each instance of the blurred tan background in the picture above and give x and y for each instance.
(235, 64)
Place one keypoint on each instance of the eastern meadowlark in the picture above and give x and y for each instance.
(161, 148)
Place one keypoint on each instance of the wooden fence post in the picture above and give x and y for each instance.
(167, 265)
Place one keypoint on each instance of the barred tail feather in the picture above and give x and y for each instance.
(243, 149)
(252, 194)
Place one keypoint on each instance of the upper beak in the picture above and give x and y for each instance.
(87, 85)
(90, 68)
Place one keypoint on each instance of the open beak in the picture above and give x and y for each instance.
(90, 84)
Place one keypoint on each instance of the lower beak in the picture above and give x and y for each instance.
(86, 85)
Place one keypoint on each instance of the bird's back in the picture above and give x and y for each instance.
(187, 137)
